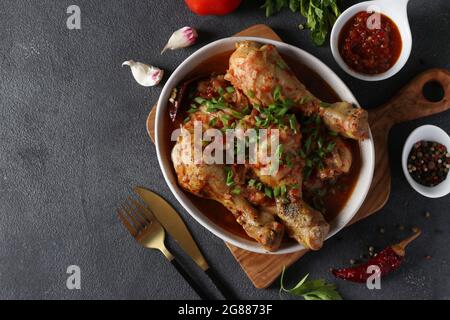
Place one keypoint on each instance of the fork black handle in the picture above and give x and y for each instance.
(224, 290)
(194, 285)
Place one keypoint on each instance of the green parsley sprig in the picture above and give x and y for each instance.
(320, 14)
(312, 289)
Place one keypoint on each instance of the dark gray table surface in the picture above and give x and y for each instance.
(73, 142)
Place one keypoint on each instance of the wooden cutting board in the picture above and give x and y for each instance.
(408, 104)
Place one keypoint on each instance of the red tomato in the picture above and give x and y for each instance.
(212, 7)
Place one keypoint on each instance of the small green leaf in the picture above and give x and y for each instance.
(312, 290)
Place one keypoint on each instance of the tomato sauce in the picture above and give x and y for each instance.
(370, 45)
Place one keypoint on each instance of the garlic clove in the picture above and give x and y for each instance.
(144, 74)
(181, 38)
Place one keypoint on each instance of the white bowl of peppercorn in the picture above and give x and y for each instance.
(426, 161)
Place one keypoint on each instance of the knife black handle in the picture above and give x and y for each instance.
(194, 285)
(224, 290)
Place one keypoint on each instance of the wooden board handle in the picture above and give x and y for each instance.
(410, 103)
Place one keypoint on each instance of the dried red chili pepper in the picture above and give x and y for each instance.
(388, 260)
(178, 95)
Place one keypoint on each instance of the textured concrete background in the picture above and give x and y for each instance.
(73, 143)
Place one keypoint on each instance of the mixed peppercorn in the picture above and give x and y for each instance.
(428, 163)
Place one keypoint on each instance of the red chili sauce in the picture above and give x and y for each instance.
(367, 47)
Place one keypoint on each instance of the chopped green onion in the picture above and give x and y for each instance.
(236, 191)
(289, 160)
(200, 100)
(213, 122)
(259, 186)
(279, 151)
(251, 182)
(276, 192)
(230, 89)
(268, 192)
(308, 144)
(301, 153)
(330, 146)
(293, 122)
(281, 64)
(276, 93)
(305, 99)
(283, 189)
(282, 111)
(295, 186)
(237, 114)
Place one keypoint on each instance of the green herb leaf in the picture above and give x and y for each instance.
(312, 290)
(320, 14)
(251, 182)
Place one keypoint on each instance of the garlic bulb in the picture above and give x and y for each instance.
(181, 38)
(144, 74)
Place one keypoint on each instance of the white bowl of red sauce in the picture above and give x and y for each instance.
(372, 40)
(426, 161)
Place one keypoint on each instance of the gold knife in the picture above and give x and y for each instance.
(177, 229)
(173, 224)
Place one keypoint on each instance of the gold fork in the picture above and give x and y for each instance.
(148, 232)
